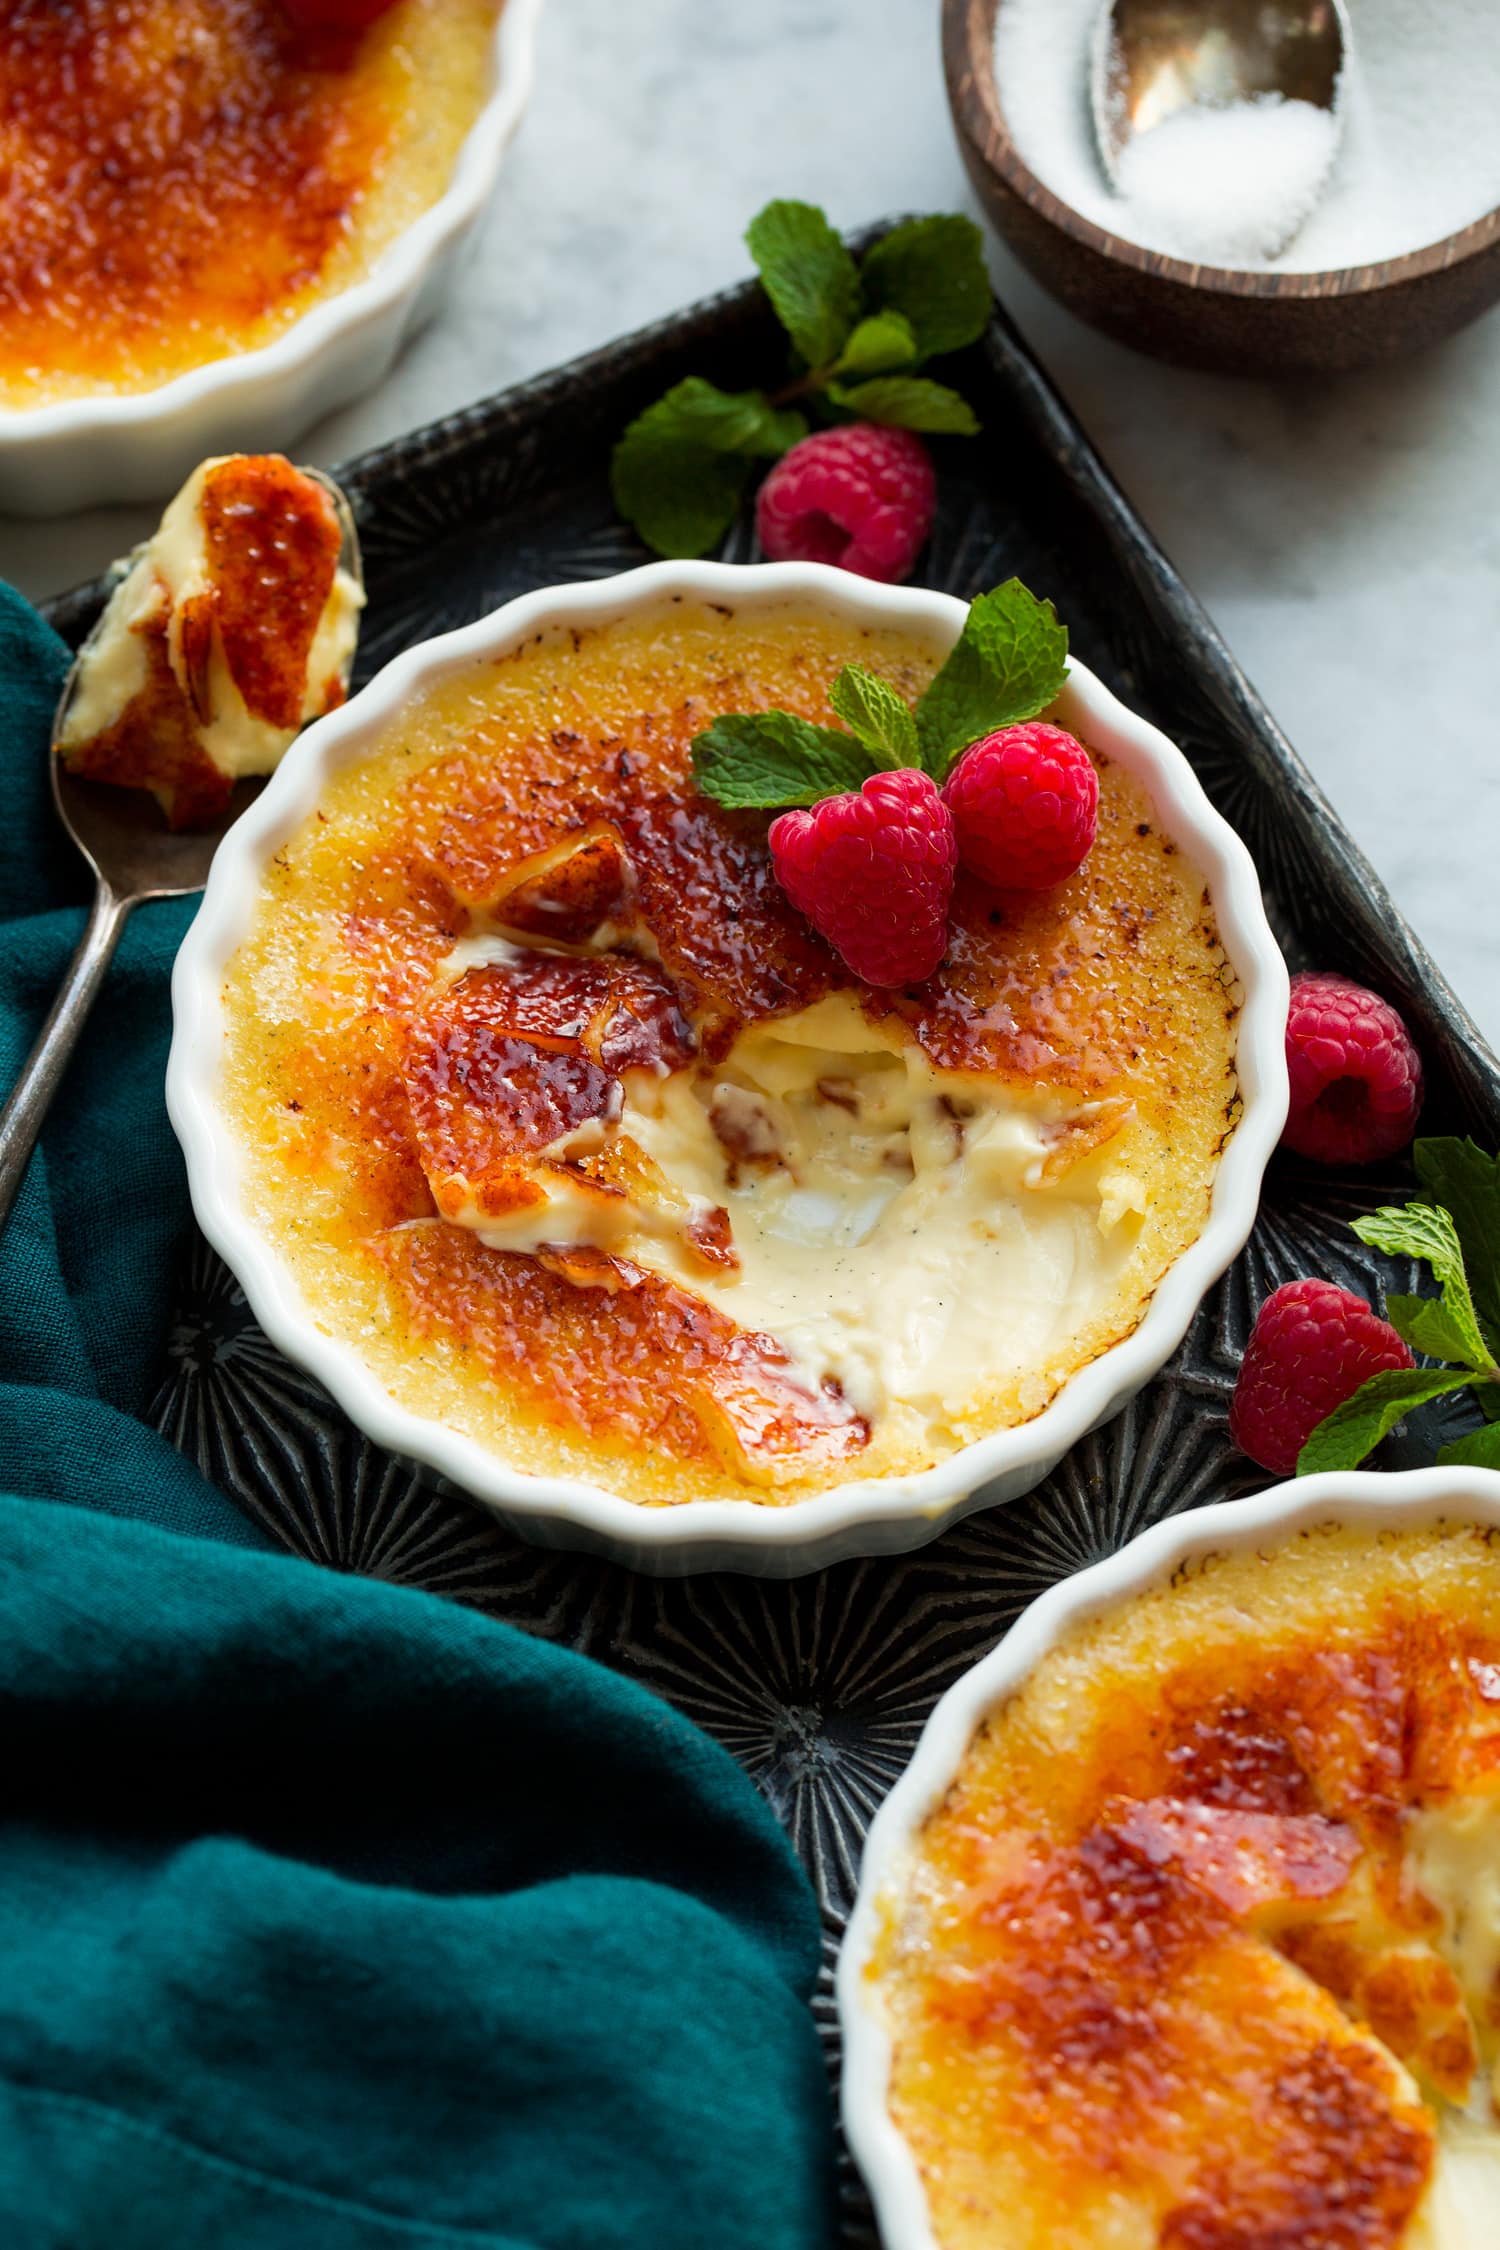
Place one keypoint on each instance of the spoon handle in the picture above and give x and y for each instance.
(41, 1074)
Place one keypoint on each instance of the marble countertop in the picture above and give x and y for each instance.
(1344, 534)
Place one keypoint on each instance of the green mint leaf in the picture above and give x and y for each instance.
(765, 760)
(1480, 1450)
(1010, 662)
(681, 499)
(932, 271)
(878, 344)
(699, 413)
(872, 710)
(1354, 1429)
(1424, 1323)
(809, 276)
(679, 470)
(1466, 1182)
(908, 402)
(1424, 1230)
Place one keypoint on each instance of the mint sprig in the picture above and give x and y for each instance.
(1481, 1450)
(860, 336)
(876, 715)
(1461, 1325)
(763, 761)
(932, 272)
(679, 471)
(1427, 1232)
(1009, 662)
(1354, 1429)
(908, 402)
(809, 276)
(885, 341)
(1459, 1176)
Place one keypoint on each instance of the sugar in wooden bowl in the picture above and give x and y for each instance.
(1255, 238)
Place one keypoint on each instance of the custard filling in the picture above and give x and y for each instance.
(868, 1205)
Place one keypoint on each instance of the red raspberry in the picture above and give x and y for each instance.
(1311, 1347)
(861, 496)
(1025, 803)
(874, 872)
(1356, 1077)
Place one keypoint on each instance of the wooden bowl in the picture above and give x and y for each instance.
(1204, 316)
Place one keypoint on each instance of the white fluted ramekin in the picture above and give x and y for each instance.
(1361, 1498)
(876, 1515)
(139, 445)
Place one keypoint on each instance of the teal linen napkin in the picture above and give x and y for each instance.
(88, 1258)
(330, 1913)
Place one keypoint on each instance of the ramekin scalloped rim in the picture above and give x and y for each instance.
(1390, 1501)
(139, 445)
(870, 1516)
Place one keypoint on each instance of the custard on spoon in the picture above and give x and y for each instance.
(230, 629)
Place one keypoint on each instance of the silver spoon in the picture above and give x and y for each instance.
(135, 856)
(1155, 58)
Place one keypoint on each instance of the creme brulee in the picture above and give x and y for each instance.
(563, 1115)
(240, 169)
(1202, 1945)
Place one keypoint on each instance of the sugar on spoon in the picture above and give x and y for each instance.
(1158, 60)
(134, 856)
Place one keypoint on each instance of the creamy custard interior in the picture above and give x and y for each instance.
(1203, 1945)
(241, 168)
(564, 1116)
(875, 1204)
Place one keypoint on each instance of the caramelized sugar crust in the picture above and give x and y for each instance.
(273, 540)
(1159, 1971)
(181, 180)
(359, 1081)
(681, 1379)
(501, 1064)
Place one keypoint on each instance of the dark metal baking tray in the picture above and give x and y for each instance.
(820, 1686)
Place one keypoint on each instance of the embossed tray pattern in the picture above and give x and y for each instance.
(820, 1686)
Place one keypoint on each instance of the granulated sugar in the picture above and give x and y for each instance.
(1419, 157)
(1231, 186)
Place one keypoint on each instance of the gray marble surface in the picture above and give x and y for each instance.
(1346, 535)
